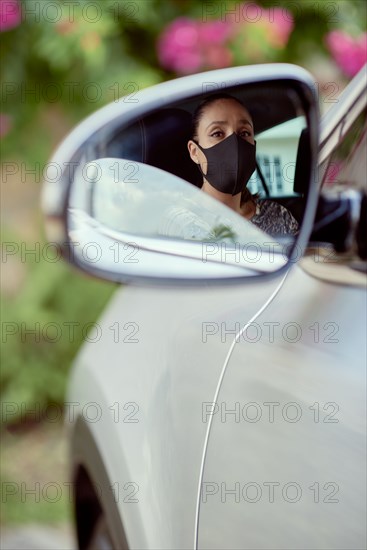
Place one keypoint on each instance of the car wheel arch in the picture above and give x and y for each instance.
(91, 501)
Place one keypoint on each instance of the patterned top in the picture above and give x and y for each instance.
(274, 219)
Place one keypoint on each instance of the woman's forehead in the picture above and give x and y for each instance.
(225, 108)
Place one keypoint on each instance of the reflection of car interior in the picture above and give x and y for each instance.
(160, 140)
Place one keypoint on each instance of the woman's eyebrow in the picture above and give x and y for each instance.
(243, 120)
(216, 122)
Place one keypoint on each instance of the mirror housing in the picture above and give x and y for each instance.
(88, 142)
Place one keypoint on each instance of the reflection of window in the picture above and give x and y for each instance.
(276, 157)
(346, 166)
(278, 174)
(266, 168)
(270, 167)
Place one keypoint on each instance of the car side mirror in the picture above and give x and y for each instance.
(129, 188)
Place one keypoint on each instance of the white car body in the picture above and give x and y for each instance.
(228, 416)
(171, 372)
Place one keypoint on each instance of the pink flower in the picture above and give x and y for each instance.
(349, 53)
(5, 124)
(187, 45)
(178, 46)
(218, 57)
(280, 25)
(215, 32)
(10, 14)
(273, 26)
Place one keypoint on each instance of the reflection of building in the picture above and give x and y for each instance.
(276, 156)
(271, 168)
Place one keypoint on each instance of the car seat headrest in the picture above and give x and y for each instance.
(165, 134)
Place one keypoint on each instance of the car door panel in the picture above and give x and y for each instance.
(171, 369)
(292, 454)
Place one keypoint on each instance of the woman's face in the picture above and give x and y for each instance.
(219, 120)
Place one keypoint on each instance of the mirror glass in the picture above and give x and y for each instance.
(223, 167)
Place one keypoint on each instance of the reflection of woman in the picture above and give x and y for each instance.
(224, 148)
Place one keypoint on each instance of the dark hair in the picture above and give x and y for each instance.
(196, 117)
(198, 113)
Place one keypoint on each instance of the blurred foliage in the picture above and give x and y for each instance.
(75, 63)
(70, 59)
(84, 54)
(40, 340)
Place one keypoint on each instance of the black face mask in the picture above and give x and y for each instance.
(230, 164)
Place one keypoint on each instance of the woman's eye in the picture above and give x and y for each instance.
(245, 133)
(217, 134)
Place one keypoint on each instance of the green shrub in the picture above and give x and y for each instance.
(35, 365)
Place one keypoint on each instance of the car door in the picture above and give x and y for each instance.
(285, 462)
(285, 465)
(162, 372)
